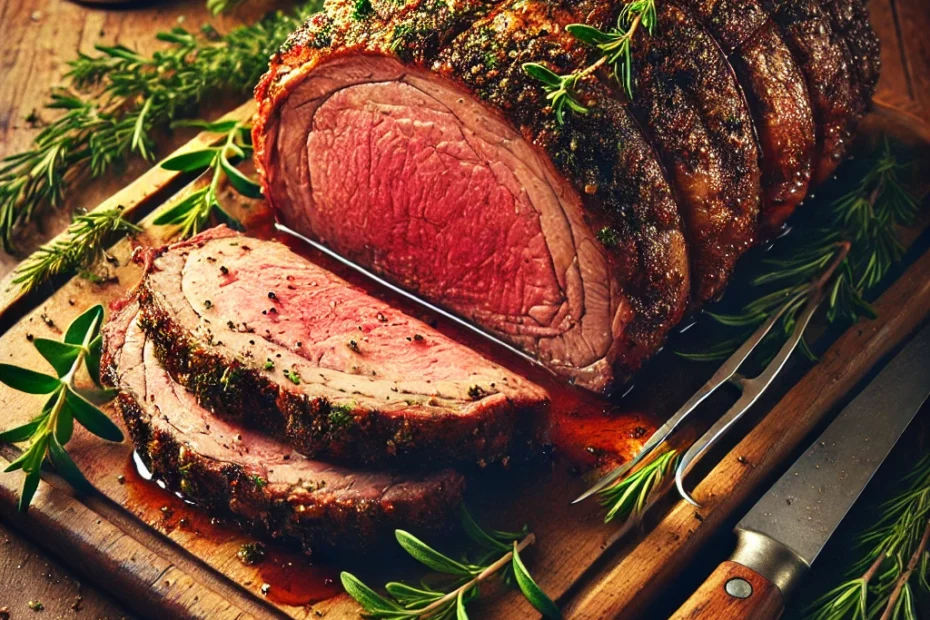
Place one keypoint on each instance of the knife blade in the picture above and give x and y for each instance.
(782, 535)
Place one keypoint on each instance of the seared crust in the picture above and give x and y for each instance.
(417, 433)
(850, 18)
(824, 59)
(261, 483)
(603, 153)
(777, 95)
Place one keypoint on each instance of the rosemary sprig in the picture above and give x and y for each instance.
(896, 562)
(82, 245)
(616, 45)
(866, 218)
(118, 99)
(50, 430)
(499, 557)
(616, 50)
(630, 495)
(194, 211)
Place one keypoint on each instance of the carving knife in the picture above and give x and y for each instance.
(782, 535)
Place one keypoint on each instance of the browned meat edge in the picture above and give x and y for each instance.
(265, 486)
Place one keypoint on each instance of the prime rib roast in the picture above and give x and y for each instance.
(408, 137)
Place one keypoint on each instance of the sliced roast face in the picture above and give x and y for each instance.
(412, 141)
(227, 467)
(265, 336)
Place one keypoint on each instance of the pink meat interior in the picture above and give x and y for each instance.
(409, 175)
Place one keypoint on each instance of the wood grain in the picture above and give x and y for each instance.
(28, 574)
(39, 37)
(711, 601)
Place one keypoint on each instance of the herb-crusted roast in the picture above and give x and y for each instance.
(409, 137)
(228, 468)
(263, 335)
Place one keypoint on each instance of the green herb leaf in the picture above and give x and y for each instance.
(60, 355)
(29, 489)
(85, 327)
(91, 418)
(215, 126)
(66, 467)
(243, 184)
(406, 594)
(542, 74)
(531, 591)
(92, 358)
(477, 534)
(65, 426)
(425, 554)
(28, 381)
(193, 161)
(588, 34)
(371, 601)
(460, 606)
(21, 433)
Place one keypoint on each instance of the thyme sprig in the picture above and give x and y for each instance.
(193, 212)
(117, 100)
(865, 217)
(896, 561)
(629, 496)
(50, 430)
(499, 557)
(82, 245)
(616, 50)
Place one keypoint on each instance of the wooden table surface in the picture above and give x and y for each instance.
(38, 37)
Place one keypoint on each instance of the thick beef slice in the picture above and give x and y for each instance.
(227, 467)
(268, 337)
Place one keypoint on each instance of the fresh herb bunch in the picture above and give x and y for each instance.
(82, 245)
(630, 495)
(616, 50)
(499, 557)
(119, 99)
(193, 212)
(895, 565)
(50, 430)
(865, 217)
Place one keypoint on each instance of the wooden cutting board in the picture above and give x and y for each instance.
(163, 559)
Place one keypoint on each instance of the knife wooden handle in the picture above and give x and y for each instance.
(733, 591)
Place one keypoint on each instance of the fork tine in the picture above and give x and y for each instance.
(723, 374)
(754, 388)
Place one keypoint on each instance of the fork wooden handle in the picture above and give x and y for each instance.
(734, 592)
